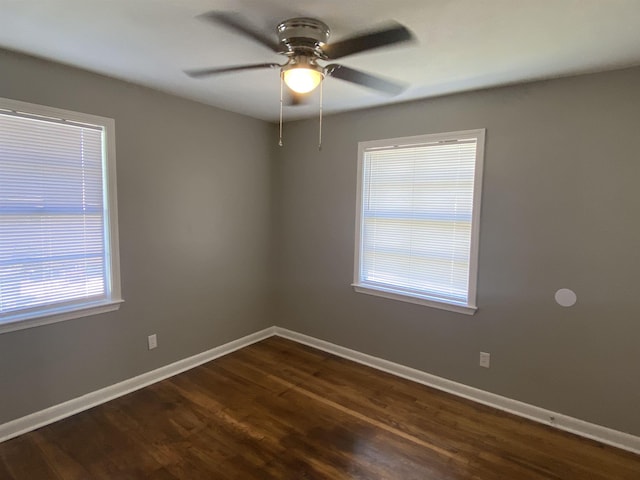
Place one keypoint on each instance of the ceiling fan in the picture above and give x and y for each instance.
(304, 41)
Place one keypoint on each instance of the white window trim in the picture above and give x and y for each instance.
(426, 300)
(59, 314)
(417, 299)
(21, 322)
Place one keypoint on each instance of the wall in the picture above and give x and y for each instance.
(560, 209)
(206, 256)
(194, 208)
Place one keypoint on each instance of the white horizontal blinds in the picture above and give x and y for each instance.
(416, 219)
(52, 224)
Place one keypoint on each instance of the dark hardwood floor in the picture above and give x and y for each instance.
(279, 410)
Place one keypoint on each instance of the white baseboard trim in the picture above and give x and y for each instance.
(599, 433)
(52, 414)
(58, 412)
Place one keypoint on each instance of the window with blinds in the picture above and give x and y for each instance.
(417, 218)
(57, 250)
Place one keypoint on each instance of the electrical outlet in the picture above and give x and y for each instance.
(485, 359)
(152, 340)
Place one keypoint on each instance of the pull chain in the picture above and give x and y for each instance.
(320, 129)
(281, 101)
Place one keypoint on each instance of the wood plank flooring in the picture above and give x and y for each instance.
(280, 410)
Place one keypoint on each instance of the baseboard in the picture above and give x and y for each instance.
(52, 414)
(599, 433)
(58, 412)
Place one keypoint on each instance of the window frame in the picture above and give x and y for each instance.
(424, 299)
(58, 313)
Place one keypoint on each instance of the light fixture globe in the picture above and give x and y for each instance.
(302, 74)
(302, 79)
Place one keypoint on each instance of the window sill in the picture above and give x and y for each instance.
(20, 322)
(403, 297)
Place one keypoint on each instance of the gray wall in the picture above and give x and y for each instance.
(218, 240)
(560, 209)
(194, 208)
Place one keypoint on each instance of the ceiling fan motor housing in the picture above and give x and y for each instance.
(301, 36)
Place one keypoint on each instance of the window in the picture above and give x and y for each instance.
(417, 219)
(58, 222)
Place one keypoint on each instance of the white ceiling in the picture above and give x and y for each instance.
(462, 44)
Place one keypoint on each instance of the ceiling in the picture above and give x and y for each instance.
(461, 44)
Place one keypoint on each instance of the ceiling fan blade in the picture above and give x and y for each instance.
(235, 22)
(366, 80)
(394, 33)
(213, 71)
